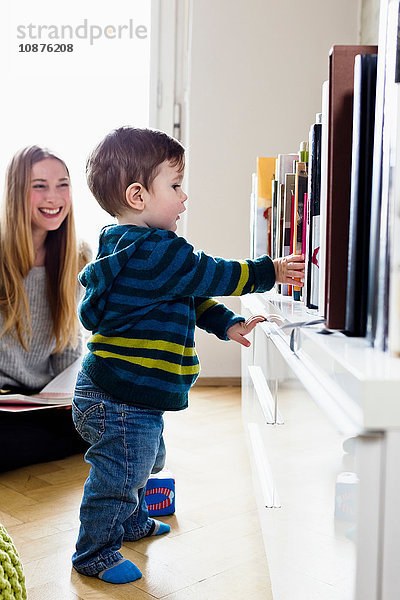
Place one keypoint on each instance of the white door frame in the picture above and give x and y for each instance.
(170, 45)
(169, 66)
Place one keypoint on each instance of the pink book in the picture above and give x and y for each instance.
(303, 241)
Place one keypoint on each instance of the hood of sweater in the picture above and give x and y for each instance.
(117, 245)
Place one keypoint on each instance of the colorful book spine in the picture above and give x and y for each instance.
(274, 210)
(311, 283)
(323, 197)
(303, 154)
(298, 210)
(288, 224)
(265, 175)
(304, 234)
(292, 223)
(284, 165)
(253, 211)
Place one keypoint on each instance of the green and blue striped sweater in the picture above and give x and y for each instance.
(145, 292)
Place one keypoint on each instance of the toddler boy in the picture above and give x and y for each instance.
(144, 294)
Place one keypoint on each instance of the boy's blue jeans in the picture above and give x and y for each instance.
(126, 446)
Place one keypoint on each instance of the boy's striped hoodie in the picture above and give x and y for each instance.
(145, 292)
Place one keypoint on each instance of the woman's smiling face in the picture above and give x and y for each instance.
(50, 195)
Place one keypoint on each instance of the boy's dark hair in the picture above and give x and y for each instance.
(128, 155)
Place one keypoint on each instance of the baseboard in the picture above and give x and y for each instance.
(218, 382)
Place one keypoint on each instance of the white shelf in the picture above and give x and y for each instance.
(296, 435)
(363, 382)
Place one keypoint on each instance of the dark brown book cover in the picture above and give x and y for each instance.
(340, 120)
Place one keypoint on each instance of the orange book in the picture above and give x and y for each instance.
(262, 225)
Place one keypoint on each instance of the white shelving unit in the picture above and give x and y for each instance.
(316, 406)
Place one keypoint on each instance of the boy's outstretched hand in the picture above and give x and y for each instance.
(290, 269)
(239, 330)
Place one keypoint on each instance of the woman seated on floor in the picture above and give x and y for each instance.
(39, 330)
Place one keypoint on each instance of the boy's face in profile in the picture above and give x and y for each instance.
(165, 198)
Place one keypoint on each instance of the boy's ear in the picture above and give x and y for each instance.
(134, 196)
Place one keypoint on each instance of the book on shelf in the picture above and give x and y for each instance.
(287, 229)
(379, 338)
(303, 158)
(376, 190)
(57, 393)
(284, 166)
(274, 211)
(340, 120)
(253, 212)
(298, 214)
(281, 217)
(391, 187)
(323, 196)
(360, 196)
(304, 152)
(262, 203)
(311, 281)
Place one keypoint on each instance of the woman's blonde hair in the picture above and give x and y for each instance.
(63, 259)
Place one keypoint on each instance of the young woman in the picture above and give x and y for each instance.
(39, 331)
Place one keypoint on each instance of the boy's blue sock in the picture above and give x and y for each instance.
(158, 528)
(123, 571)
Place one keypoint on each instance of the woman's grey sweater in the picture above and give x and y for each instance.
(34, 369)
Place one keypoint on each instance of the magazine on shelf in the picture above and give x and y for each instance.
(58, 392)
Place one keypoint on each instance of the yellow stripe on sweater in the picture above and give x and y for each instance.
(205, 306)
(152, 363)
(244, 277)
(139, 343)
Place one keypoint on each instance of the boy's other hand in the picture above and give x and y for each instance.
(239, 330)
(290, 269)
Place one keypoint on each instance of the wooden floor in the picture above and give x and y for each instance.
(215, 549)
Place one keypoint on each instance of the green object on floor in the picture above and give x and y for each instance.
(12, 579)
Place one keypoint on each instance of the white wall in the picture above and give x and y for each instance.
(369, 24)
(256, 73)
